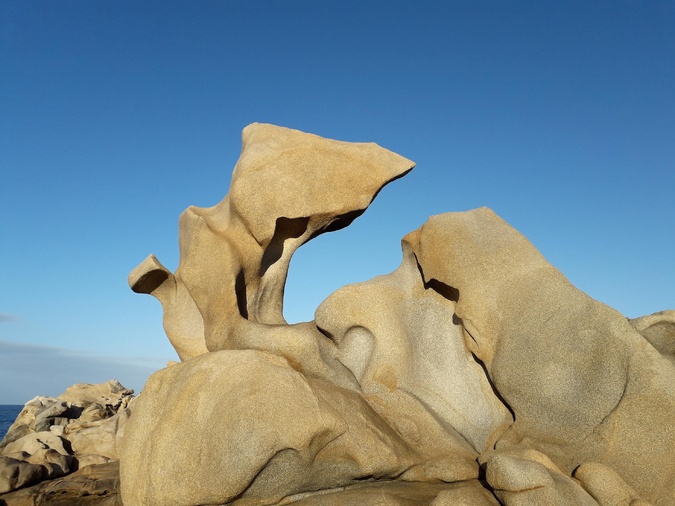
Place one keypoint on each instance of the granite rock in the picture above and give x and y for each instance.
(473, 374)
(52, 437)
(583, 384)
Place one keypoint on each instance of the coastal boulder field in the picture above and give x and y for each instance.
(78, 432)
(473, 374)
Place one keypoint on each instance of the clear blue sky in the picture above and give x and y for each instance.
(115, 116)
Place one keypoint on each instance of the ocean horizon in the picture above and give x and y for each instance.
(8, 413)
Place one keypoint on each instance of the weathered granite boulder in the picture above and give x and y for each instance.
(111, 393)
(37, 415)
(31, 443)
(416, 384)
(53, 437)
(524, 478)
(17, 473)
(583, 384)
(284, 432)
(474, 373)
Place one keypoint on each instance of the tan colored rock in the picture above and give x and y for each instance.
(582, 383)
(99, 437)
(87, 425)
(35, 441)
(396, 493)
(110, 393)
(528, 478)
(607, 487)
(279, 433)
(395, 334)
(95, 485)
(471, 493)
(20, 469)
(91, 460)
(183, 323)
(474, 352)
(16, 474)
(37, 415)
(659, 330)
(103, 413)
(31, 459)
(311, 185)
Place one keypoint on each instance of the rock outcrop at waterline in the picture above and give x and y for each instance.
(77, 432)
(474, 373)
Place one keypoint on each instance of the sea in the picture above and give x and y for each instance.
(8, 413)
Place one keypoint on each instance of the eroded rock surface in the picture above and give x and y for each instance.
(583, 384)
(473, 374)
(53, 437)
(287, 188)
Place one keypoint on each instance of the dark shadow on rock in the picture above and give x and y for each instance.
(286, 228)
(240, 291)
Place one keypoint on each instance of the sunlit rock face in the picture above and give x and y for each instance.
(583, 384)
(474, 373)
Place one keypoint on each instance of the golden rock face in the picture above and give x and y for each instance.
(474, 372)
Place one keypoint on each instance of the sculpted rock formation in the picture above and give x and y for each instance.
(473, 374)
(310, 186)
(659, 330)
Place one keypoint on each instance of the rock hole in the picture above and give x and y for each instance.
(286, 228)
(150, 281)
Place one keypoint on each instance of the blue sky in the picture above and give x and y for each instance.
(116, 116)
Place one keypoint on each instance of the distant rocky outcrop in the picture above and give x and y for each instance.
(77, 432)
(473, 374)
